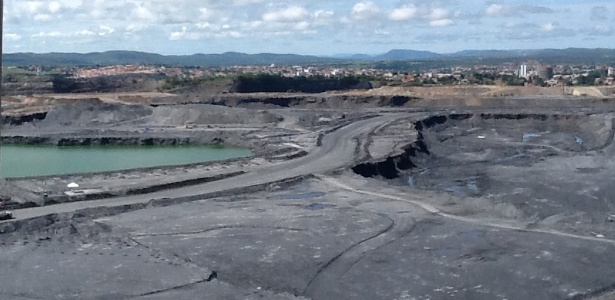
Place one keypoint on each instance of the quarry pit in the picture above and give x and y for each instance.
(395, 199)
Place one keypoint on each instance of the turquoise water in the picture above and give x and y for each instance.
(22, 161)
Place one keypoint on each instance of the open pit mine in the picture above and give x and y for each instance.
(390, 193)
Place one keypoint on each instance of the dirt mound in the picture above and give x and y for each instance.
(94, 112)
(198, 114)
(430, 92)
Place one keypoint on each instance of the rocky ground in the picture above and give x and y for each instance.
(462, 201)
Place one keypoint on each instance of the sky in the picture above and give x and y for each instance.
(314, 27)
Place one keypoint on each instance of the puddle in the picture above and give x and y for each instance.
(310, 195)
(445, 252)
(457, 191)
(318, 206)
(473, 187)
(528, 136)
(474, 234)
(509, 158)
(411, 182)
(468, 190)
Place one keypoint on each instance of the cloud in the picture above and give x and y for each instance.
(105, 30)
(403, 13)
(178, 26)
(548, 27)
(438, 14)
(49, 34)
(441, 23)
(184, 34)
(54, 6)
(439, 17)
(600, 30)
(599, 13)
(12, 37)
(290, 14)
(533, 9)
(42, 17)
(494, 9)
(323, 17)
(365, 11)
(528, 31)
(504, 10)
(144, 14)
(84, 32)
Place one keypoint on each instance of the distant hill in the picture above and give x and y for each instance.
(569, 55)
(131, 57)
(487, 53)
(399, 54)
(548, 56)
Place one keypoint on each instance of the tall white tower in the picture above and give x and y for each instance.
(523, 71)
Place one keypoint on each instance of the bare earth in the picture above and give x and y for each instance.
(460, 193)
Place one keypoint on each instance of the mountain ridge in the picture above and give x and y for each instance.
(237, 58)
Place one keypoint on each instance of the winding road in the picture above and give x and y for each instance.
(337, 151)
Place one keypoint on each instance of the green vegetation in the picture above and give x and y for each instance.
(512, 80)
(592, 78)
(16, 71)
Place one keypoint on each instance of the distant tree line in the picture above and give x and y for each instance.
(592, 78)
(266, 83)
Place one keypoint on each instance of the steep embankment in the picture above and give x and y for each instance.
(93, 122)
(493, 137)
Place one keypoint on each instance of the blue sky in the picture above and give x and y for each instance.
(320, 27)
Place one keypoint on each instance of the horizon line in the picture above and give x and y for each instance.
(316, 55)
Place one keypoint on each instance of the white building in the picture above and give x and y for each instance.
(611, 71)
(523, 71)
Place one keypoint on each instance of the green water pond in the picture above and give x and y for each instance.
(42, 160)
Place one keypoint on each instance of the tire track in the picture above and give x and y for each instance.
(435, 211)
(327, 276)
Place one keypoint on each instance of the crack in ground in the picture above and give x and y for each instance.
(186, 261)
(601, 292)
(209, 279)
(334, 259)
(216, 229)
(22, 295)
(364, 254)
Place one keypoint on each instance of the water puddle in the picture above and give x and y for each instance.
(455, 190)
(510, 158)
(467, 187)
(446, 252)
(531, 135)
(411, 182)
(474, 234)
